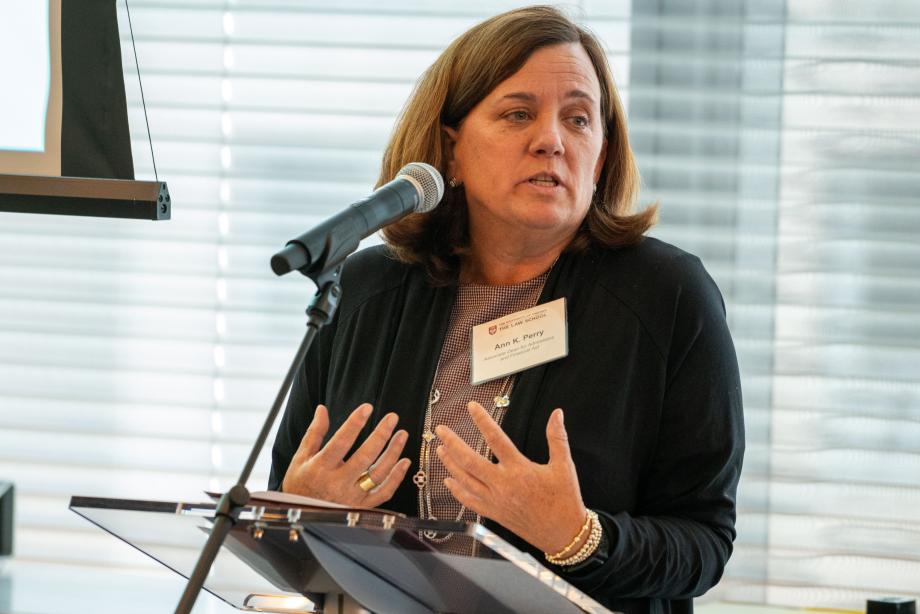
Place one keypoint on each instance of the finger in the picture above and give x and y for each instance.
(455, 443)
(344, 438)
(371, 447)
(466, 497)
(557, 439)
(384, 464)
(313, 439)
(461, 456)
(385, 491)
(472, 482)
(501, 445)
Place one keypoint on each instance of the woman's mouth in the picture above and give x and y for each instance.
(544, 180)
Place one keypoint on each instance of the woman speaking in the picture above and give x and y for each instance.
(556, 375)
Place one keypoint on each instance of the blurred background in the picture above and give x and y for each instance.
(781, 137)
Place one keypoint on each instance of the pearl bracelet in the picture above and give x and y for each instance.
(584, 528)
(589, 547)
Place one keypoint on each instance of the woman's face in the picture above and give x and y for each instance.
(531, 151)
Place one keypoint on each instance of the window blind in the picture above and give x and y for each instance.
(781, 139)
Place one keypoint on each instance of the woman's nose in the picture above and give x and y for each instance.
(547, 138)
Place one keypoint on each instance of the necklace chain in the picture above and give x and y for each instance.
(500, 406)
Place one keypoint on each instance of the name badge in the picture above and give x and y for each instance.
(519, 341)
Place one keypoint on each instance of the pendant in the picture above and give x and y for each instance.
(428, 436)
(502, 401)
(428, 533)
(420, 479)
(435, 396)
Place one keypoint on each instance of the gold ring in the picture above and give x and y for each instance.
(365, 482)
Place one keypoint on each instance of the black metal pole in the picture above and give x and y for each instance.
(319, 313)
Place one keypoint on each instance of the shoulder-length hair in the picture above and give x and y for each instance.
(465, 73)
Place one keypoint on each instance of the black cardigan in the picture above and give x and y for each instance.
(650, 390)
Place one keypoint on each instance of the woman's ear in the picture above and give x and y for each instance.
(450, 140)
(599, 167)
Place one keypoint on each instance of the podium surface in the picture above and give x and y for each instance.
(290, 559)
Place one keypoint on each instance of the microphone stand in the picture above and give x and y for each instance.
(319, 312)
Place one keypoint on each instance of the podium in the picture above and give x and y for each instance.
(293, 559)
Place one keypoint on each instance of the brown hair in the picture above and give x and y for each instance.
(465, 73)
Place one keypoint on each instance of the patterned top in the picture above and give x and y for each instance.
(475, 305)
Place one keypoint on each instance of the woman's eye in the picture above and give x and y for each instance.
(581, 121)
(517, 116)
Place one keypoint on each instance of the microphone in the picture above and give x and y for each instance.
(418, 187)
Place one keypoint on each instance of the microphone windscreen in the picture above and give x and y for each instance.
(430, 181)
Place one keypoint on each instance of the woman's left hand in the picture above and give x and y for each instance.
(539, 503)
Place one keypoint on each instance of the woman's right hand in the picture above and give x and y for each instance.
(323, 472)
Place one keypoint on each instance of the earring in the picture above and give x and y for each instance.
(454, 183)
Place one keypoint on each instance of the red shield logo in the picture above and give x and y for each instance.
(493, 329)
